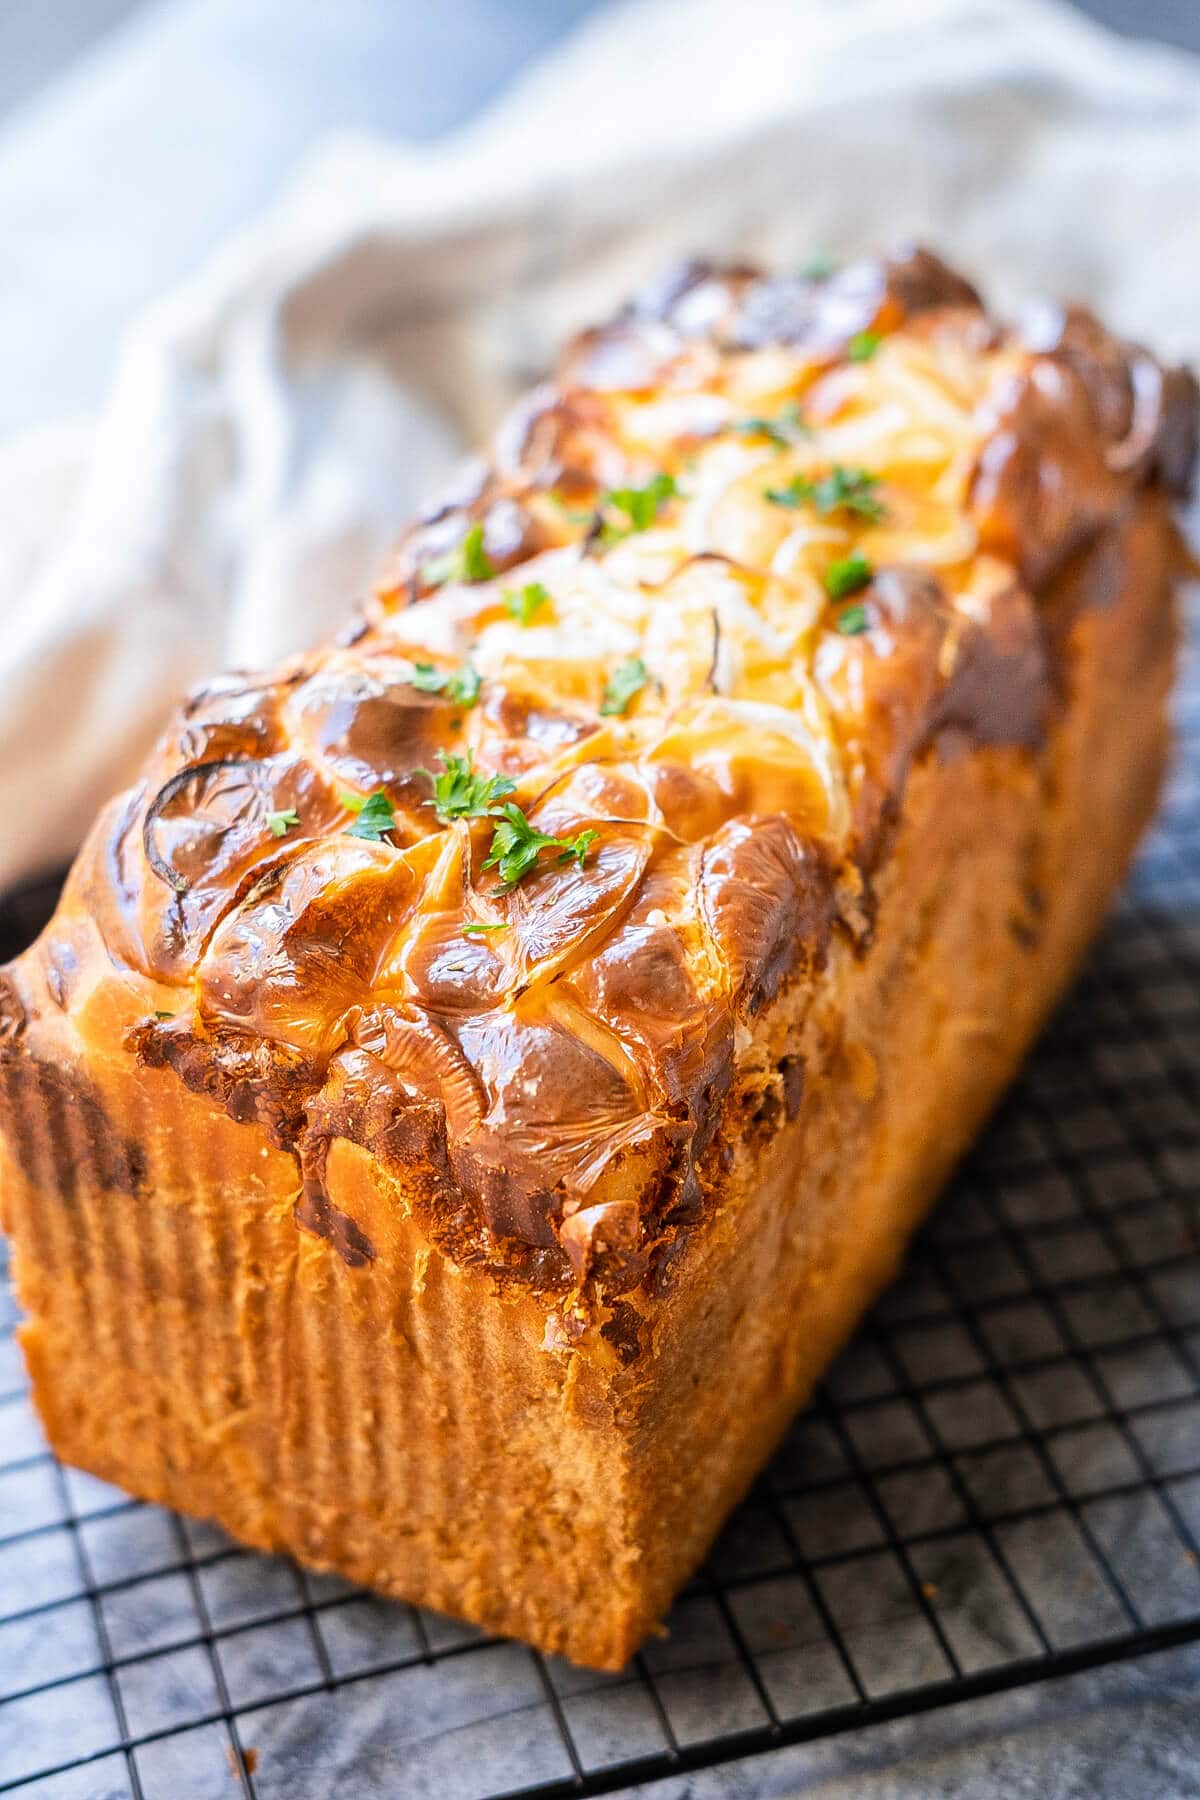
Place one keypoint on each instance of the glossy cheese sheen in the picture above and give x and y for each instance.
(556, 1054)
(485, 1266)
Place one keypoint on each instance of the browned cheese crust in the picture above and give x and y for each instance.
(478, 1236)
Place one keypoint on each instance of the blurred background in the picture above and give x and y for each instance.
(135, 134)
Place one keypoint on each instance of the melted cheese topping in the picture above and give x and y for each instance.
(723, 596)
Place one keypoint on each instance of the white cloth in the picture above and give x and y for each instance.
(271, 426)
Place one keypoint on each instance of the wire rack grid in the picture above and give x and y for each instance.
(998, 1483)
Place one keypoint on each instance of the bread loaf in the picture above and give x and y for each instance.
(478, 1076)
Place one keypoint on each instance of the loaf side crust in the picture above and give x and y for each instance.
(474, 1228)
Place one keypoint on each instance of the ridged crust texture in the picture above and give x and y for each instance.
(477, 1236)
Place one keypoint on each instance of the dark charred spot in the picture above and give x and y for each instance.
(68, 1140)
(316, 1212)
(251, 1080)
(623, 1331)
(791, 1075)
(12, 1012)
(761, 1112)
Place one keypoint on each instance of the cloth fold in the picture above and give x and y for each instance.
(271, 426)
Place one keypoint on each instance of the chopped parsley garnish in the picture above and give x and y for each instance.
(477, 929)
(280, 823)
(163, 1015)
(798, 492)
(427, 678)
(853, 490)
(522, 604)
(517, 845)
(847, 575)
(461, 687)
(626, 680)
(460, 792)
(468, 561)
(853, 621)
(785, 429)
(376, 815)
(640, 505)
(862, 346)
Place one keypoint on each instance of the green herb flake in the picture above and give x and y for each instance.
(640, 505)
(850, 490)
(163, 1015)
(523, 604)
(786, 428)
(626, 680)
(376, 815)
(847, 575)
(468, 561)
(819, 268)
(798, 492)
(853, 621)
(477, 929)
(862, 346)
(576, 849)
(853, 490)
(460, 688)
(461, 792)
(517, 845)
(428, 679)
(280, 823)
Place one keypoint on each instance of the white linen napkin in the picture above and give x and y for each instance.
(271, 426)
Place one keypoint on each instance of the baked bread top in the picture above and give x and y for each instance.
(497, 882)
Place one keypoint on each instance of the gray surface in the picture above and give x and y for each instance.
(1133, 1732)
(38, 41)
(1174, 21)
(120, 178)
(158, 139)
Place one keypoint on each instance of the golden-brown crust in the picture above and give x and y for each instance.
(548, 1062)
(496, 1448)
(445, 1259)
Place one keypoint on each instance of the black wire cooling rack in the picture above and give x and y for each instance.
(999, 1483)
